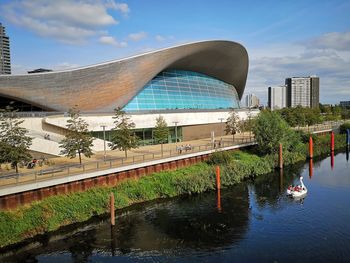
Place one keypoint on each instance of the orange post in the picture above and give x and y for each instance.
(280, 159)
(311, 168)
(332, 160)
(111, 203)
(218, 185)
(332, 141)
(311, 148)
(218, 204)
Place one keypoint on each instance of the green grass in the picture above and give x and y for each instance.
(56, 211)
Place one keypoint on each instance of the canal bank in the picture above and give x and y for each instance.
(54, 212)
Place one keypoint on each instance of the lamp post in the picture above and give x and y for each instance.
(104, 141)
(175, 122)
(221, 119)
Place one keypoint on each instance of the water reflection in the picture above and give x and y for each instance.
(311, 168)
(347, 153)
(267, 190)
(218, 200)
(332, 160)
(222, 226)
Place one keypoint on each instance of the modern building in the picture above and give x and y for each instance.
(193, 86)
(303, 91)
(5, 59)
(277, 97)
(252, 101)
(345, 103)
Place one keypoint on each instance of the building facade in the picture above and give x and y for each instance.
(193, 86)
(277, 97)
(345, 103)
(252, 101)
(5, 59)
(188, 76)
(303, 91)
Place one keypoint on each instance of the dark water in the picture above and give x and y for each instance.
(254, 222)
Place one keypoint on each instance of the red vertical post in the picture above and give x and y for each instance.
(280, 159)
(332, 160)
(332, 141)
(219, 201)
(111, 202)
(218, 185)
(311, 168)
(311, 148)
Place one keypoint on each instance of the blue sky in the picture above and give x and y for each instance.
(283, 38)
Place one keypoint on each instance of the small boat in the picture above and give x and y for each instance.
(297, 191)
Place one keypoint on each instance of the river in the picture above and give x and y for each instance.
(252, 222)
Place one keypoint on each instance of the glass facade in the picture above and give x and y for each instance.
(180, 89)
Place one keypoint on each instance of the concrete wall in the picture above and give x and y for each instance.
(196, 125)
(14, 200)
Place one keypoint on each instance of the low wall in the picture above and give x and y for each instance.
(14, 200)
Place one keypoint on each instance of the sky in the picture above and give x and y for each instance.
(283, 38)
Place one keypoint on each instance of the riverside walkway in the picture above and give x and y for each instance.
(67, 170)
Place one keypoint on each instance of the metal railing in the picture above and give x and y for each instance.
(94, 166)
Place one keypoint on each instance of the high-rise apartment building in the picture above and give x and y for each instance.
(277, 97)
(252, 101)
(303, 91)
(5, 61)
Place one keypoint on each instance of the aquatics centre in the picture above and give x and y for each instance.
(193, 86)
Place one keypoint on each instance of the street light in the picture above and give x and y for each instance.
(175, 122)
(104, 141)
(221, 119)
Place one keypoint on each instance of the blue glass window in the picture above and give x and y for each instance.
(180, 89)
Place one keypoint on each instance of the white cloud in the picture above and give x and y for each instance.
(108, 40)
(333, 40)
(137, 36)
(122, 7)
(67, 21)
(160, 38)
(268, 69)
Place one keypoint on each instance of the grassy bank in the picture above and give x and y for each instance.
(53, 212)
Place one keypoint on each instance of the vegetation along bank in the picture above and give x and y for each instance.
(56, 211)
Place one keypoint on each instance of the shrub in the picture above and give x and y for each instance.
(344, 127)
(223, 157)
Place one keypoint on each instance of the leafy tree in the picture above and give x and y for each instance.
(312, 116)
(123, 138)
(161, 131)
(249, 123)
(270, 130)
(233, 124)
(14, 142)
(345, 114)
(78, 139)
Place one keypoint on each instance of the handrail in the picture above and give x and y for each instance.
(92, 166)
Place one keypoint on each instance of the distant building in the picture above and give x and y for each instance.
(303, 91)
(345, 103)
(5, 61)
(39, 70)
(252, 101)
(277, 97)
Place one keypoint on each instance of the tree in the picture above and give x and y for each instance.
(161, 131)
(123, 138)
(249, 121)
(14, 142)
(270, 130)
(232, 124)
(77, 140)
